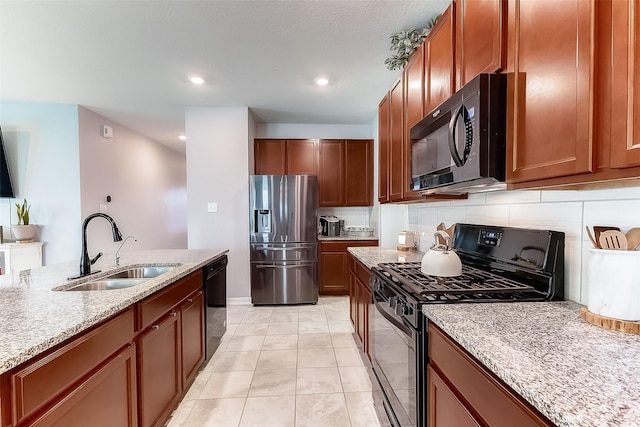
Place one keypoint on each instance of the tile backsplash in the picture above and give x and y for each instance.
(566, 211)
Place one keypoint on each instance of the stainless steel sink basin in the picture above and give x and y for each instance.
(123, 279)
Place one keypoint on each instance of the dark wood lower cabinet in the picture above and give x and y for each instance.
(360, 300)
(333, 264)
(462, 392)
(105, 399)
(192, 333)
(160, 378)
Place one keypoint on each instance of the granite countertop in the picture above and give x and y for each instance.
(34, 317)
(374, 255)
(574, 373)
(346, 238)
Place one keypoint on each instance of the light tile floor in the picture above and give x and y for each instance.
(283, 366)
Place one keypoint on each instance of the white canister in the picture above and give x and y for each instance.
(613, 284)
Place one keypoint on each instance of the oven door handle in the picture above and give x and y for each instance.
(394, 321)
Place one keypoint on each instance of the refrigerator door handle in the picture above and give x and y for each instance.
(307, 264)
(295, 248)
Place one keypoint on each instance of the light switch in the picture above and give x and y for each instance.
(212, 207)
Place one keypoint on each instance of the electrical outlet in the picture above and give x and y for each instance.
(104, 209)
(212, 207)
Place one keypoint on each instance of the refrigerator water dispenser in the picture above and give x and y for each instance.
(263, 221)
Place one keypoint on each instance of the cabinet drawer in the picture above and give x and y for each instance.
(40, 382)
(362, 272)
(497, 405)
(152, 308)
(342, 245)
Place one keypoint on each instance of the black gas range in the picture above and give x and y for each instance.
(500, 264)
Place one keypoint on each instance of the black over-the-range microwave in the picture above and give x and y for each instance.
(459, 147)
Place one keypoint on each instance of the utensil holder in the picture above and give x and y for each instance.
(613, 284)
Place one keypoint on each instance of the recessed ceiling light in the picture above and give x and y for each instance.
(196, 80)
(182, 138)
(322, 81)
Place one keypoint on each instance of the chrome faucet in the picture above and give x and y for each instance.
(117, 259)
(85, 261)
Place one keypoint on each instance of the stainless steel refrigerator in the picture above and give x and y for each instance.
(284, 239)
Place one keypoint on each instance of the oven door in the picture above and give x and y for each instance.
(393, 347)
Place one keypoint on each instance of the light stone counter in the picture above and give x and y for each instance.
(574, 373)
(372, 256)
(34, 317)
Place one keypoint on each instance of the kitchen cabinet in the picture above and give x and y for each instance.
(397, 148)
(360, 300)
(625, 87)
(286, 157)
(439, 61)
(46, 390)
(165, 319)
(16, 257)
(550, 83)
(333, 264)
(383, 150)
(480, 38)
(462, 392)
(345, 174)
(413, 113)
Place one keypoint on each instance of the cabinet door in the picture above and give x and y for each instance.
(439, 65)
(159, 366)
(359, 172)
(334, 273)
(269, 156)
(625, 105)
(396, 142)
(302, 157)
(353, 300)
(549, 115)
(444, 409)
(364, 299)
(192, 334)
(331, 173)
(105, 399)
(413, 112)
(481, 46)
(383, 150)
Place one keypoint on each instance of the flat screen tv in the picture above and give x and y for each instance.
(6, 189)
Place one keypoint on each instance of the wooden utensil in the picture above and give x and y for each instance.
(593, 241)
(613, 239)
(599, 229)
(633, 238)
(449, 231)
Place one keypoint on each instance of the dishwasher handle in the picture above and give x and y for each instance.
(216, 267)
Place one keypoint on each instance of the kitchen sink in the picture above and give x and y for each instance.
(123, 279)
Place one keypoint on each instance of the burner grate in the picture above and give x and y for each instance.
(472, 281)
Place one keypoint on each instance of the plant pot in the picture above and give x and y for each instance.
(24, 233)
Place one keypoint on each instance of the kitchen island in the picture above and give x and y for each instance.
(572, 372)
(122, 356)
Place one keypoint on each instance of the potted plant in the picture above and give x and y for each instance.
(23, 231)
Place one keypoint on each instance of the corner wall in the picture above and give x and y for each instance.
(218, 171)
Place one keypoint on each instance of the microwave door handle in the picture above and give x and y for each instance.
(453, 123)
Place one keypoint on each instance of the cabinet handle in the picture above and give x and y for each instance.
(155, 327)
(189, 299)
(173, 313)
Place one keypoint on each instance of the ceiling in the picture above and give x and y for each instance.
(129, 61)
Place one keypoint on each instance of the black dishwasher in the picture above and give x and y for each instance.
(215, 297)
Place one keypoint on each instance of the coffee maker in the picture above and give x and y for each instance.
(330, 226)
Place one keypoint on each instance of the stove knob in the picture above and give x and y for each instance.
(400, 308)
(393, 301)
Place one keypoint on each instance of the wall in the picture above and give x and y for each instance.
(42, 148)
(567, 211)
(146, 182)
(218, 171)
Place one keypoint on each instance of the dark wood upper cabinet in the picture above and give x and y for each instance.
(625, 87)
(331, 173)
(439, 61)
(413, 113)
(396, 142)
(302, 157)
(358, 172)
(480, 42)
(550, 89)
(269, 156)
(383, 150)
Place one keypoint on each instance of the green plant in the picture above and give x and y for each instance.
(23, 213)
(405, 43)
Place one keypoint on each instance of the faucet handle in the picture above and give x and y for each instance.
(93, 261)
